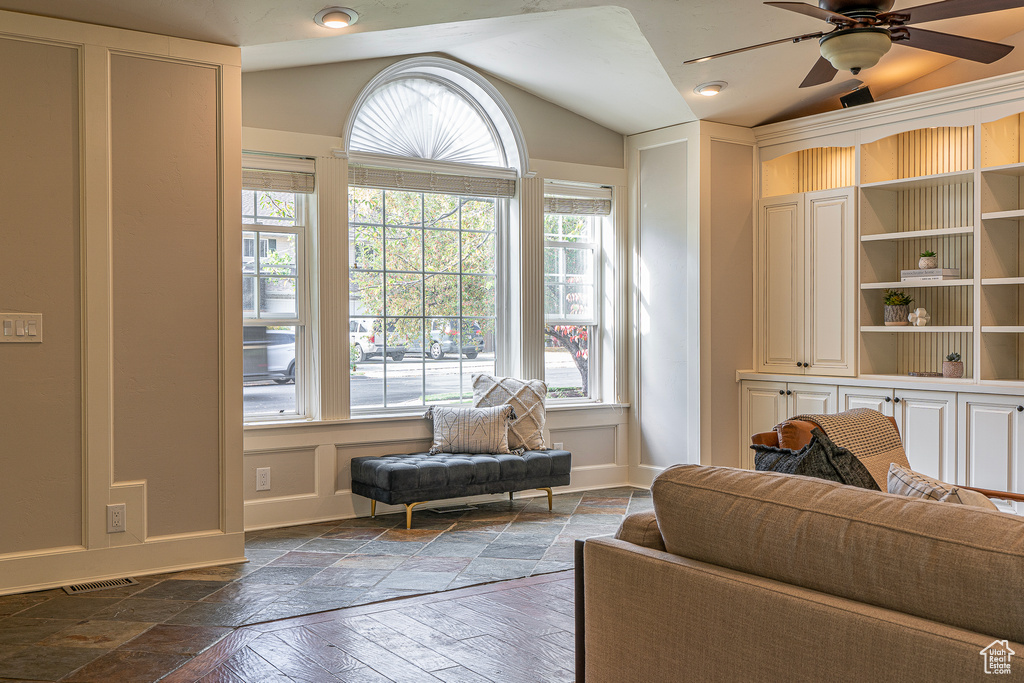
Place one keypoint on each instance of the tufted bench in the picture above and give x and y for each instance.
(416, 478)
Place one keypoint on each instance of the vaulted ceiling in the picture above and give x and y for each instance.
(621, 66)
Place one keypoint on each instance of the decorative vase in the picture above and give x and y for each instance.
(953, 369)
(897, 315)
(926, 262)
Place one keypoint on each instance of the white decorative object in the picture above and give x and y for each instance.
(919, 317)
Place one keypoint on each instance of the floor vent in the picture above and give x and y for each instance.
(98, 586)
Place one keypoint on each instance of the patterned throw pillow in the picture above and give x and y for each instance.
(470, 430)
(820, 458)
(907, 482)
(526, 431)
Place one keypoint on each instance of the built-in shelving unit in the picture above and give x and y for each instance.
(1001, 318)
(808, 170)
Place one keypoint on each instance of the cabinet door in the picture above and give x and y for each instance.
(927, 423)
(989, 439)
(813, 399)
(762, 406)
(831, 288)
(780, 285)
(866, 397)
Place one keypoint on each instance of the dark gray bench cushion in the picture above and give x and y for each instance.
(418, 477)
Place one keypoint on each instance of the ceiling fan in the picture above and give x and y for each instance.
(864, 30)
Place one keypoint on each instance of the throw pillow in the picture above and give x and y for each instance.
(820, 458)
(526, 430)
(907, 482)
(470, 430)
(794, 434)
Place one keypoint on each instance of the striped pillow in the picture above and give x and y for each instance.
(907, 482)
(470, 430)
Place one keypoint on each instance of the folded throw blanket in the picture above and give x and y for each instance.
(869, 435)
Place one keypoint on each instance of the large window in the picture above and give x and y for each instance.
(273, 302)
(422, 314)
(572, 247)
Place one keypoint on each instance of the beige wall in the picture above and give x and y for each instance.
(165, 289)
(318, 100)
(40, 384)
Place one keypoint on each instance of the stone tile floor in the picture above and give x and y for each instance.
(140, 633)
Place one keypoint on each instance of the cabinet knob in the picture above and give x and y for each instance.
(788, 393)
(1020, 409)
(806, 365)
(887, 399)
(896, 400)
(782, 392)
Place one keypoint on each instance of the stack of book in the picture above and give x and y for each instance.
(929, 274)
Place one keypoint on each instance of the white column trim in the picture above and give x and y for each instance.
(530, 255)
(332, 235)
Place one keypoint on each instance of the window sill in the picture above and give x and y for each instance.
(370, 418)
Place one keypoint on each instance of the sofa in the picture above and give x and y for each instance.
(757, 576)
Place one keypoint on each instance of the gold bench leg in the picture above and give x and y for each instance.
(408, 513)
(548, 489)
(373, 508)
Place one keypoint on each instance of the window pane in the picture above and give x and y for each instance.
(567, 360)
(249, 297)
(268, 367)
(248, 252)
(366, 247)
(441, 294)
(277, 297)
(478, 252)
(478, 213)
(366, 293)
(404, 294)
(441, 211)
(402, 249)
(268, 208)
(441, 250)
(477, 295)
(365, 205)
(277, 253)
(403, 208)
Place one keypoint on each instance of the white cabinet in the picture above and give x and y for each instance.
(927, 423)
(866, 397)
(989, 431)
(765, 404)
(806, 283)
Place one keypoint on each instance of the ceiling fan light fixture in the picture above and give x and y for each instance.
(855, 49)
(336, 17)
(710, 89)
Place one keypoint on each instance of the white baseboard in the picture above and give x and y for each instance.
(49, 569)
(643, 475)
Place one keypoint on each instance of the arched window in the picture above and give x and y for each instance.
(434, 155)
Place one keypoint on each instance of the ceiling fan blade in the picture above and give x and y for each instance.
(821, 72)
(956, 46)
(794, 39)
(812, 11)
(952, 8)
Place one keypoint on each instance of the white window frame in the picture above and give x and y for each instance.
(596, 340)
(301, 320)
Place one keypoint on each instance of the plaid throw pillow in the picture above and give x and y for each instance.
(906, 482)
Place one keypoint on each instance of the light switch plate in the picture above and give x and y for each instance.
(21, 328)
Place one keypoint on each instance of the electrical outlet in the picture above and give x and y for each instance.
(116, 518)
(558, 446)
(262, 478)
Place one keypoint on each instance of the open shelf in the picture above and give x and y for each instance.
(1007, 169)
(1001, 145)
(1002, 215)
(1002, 329)
(1002, 353)
(898, 351)
(808, 170)
(917, 234)
(911, 329)
(916, 285)
(1003, 281)
(921, 182)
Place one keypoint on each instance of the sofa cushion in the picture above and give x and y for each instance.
(904, 481)
(470, 430)
(820, 458)
(948, 563)
(526, 429)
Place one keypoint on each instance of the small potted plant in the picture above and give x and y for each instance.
(952, 368)
(928, 260)
(897, 307)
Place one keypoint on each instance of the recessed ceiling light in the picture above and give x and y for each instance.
(710, 89)
(336, 17)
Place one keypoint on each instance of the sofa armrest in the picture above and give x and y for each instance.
(641, 528)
